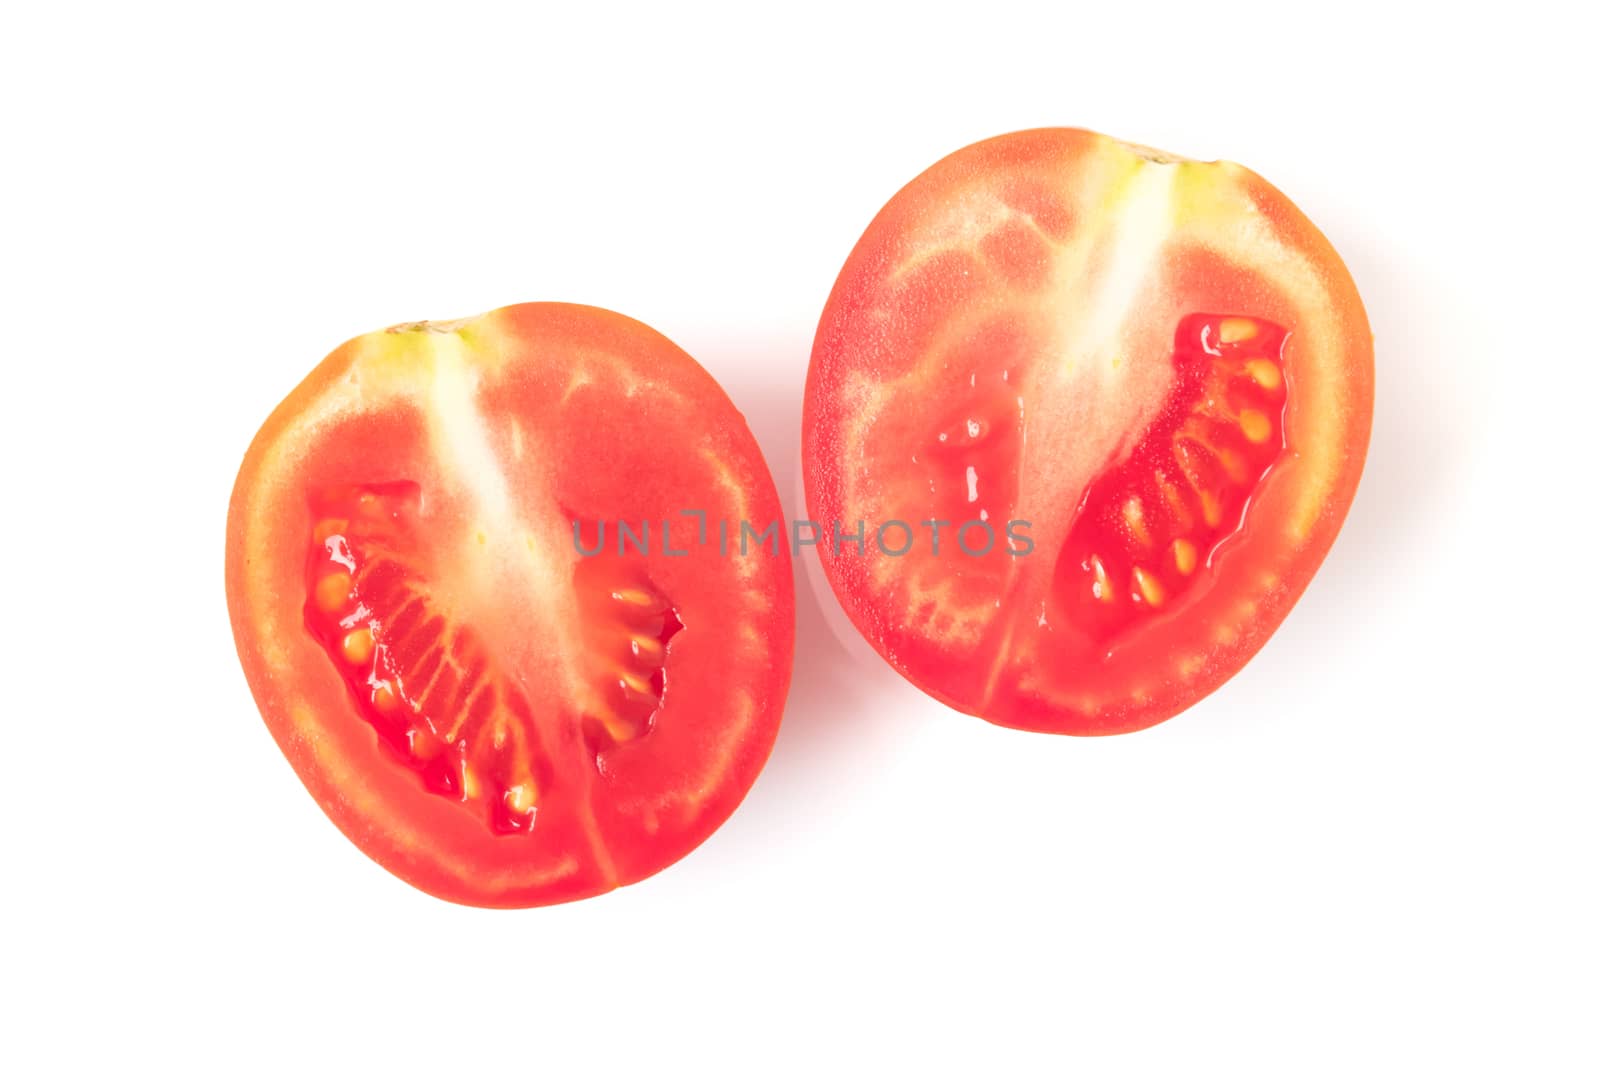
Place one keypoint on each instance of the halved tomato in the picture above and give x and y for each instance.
(1099, 411)
(487, 701)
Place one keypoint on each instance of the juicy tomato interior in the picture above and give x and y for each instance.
(1149, 525)
(1120, 400)
(486, 684)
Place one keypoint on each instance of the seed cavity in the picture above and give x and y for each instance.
(423, 681)
(1152, 524)
(632, 625)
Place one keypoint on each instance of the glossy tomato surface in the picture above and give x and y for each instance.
(477, 619)
(1144, 382)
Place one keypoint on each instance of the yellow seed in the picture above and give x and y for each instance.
(369, 505)
(618, 728)
(357, 646)
(1184, 556)
(328, 528)
(424, 745)
(636, 688)
(333, 591)
(1232, 464)
(1133, 515)
(522, 798)
(639, 598)
(1102, 584)
(1232, 331)
(1256, 426)
(647, 650)
(1265, 372)
(1149, 589)
(1175, 504)
(1210, 508)
(383, 697)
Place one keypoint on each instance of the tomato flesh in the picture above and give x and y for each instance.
(493, 711)
(1144, 381)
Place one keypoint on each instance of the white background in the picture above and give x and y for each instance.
(1377, 844)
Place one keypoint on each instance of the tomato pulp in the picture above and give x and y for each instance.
(485, 684)
(1144, 381)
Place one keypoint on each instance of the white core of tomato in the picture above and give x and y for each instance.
(1106, 371)
(514, 550)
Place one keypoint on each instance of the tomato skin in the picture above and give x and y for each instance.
(546, 404)
(1067, 258)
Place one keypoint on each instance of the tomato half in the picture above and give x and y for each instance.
(475, 583)
(1145, 382)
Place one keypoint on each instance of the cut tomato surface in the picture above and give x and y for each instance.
(1144, 382)
(475, 583)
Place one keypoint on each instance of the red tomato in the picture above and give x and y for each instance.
(495, 715)
(1153, 374)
